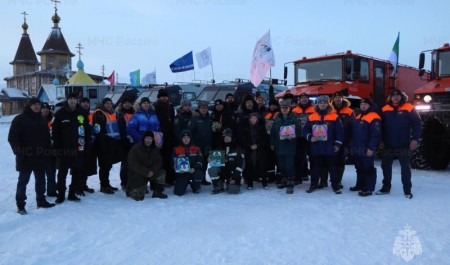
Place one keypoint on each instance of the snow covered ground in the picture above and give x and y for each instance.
(254, 227)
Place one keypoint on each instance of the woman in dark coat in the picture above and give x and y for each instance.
(255, 141)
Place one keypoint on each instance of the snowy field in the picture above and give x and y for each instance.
(254, 227)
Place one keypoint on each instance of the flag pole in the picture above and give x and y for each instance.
(212, 70)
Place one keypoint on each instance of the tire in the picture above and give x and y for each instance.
(433, 145)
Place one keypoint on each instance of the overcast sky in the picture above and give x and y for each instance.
(150, 34)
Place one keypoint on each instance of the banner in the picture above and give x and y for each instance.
(185, 63)
(204, 58)
(135, 78)
(263, 58)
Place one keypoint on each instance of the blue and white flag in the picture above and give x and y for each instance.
(182, 64)
(149, 78)
(135, 78)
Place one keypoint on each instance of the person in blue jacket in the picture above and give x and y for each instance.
(325, 132)
(366, 135)
(401, 130)
(143, 120)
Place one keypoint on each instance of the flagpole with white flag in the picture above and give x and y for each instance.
(204, 59)
(263, 59)
(393, 57)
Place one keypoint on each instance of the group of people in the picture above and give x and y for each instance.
(237, 144)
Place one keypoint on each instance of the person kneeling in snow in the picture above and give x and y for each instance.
(231, 172)
(144, 165)
(188, 165)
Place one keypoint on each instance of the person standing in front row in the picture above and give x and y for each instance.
(29, 138)
(325, 132)
(401, 130)
(50, 170)
(71, 138)
(366, 135)
(284, 134)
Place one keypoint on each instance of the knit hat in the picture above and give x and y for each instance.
(148, 133)
(218, 102)
(185, 133)
(185, 102)
(144, 99)
(247, 98)
(84, 99)
(72, 95)
(366, 100)
(105, 100)
(45, 105)
(323, 98)
(227, 132)
(273, 102)
(303, 95)
(33, 100)
(285, 103)
(338, 94)
(288, 96)
(202, 103)
(162, 93)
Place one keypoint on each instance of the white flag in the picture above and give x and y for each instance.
(204, 57)
(263, 59)
(149, 78)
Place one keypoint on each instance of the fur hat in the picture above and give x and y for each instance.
(285, 103)
(162, 93)
(323, 98)
(185, 102)
(303, 95)
(126, 99)
(395, 91)
(202, 103)
(338, 94)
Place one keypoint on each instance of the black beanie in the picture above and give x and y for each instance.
(104, 100)
(33, 100)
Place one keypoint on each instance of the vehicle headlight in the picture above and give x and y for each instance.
(427, 99)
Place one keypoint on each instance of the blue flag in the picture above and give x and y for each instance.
(182, 64)
(135, 78)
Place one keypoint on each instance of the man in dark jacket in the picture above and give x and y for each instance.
(366, 135)
(108, 142)
(71, 135)
(183, 118)
(401, 131)
(166, 116)
(144, 165)
(124, 112)
(29, 138)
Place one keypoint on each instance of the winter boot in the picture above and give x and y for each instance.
(72, 194)
(21, 209)
(217, 187)
(45, 204)
(159, 192)
(61, 196)
(290, 186)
